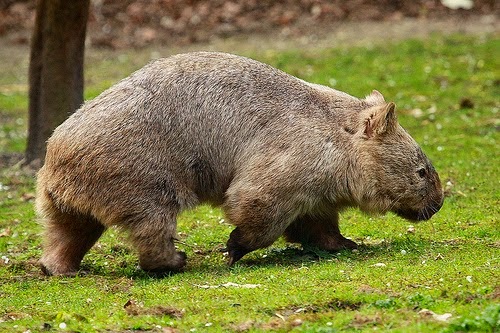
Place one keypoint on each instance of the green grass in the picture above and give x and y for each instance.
(449, 264)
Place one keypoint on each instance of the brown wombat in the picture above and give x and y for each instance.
(281, 155)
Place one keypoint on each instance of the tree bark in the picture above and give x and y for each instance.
(55, 71)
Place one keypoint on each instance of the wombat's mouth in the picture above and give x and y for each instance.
(412, 215)
(418, 215)
(421, 214)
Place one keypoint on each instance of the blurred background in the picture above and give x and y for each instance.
(137, 23)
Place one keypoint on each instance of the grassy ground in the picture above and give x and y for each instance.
(447, 92)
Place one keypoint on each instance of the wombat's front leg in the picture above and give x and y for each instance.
(321, 231)
(260, 221)
(153, 237)
(237, 247)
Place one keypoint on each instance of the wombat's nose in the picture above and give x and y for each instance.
(424, 213)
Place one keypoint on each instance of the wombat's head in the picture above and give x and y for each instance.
(397, 176)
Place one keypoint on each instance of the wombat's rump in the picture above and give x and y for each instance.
(282, 157)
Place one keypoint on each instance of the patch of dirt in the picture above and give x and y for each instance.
(132, 308)
(139, 23)
(495, 294)
(243, 327)
(292, 316)
(11, 316)
(333, 305)
(361, 321)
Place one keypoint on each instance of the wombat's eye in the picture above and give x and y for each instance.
(422, 172)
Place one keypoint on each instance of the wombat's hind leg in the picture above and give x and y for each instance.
(154, 240)
(320, 231)
(68, 237)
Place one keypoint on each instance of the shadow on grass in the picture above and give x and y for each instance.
(289, 256)
(292, 256)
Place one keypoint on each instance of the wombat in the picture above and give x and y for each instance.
(280, 155)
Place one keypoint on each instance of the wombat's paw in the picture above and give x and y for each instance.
(337, 244)
(181, 260)
(174, 266)
(235, 248)
(235, 255)
(57, 271)
(348, 244)
(235, 251)
(45, 270)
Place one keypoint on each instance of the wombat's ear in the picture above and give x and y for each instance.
(375, 98)
(379, 119)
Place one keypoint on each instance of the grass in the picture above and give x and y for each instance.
(447, 92)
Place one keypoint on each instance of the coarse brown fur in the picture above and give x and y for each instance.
(280, 155)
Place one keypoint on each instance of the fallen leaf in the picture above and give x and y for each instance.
(280, 316)
(364, 288)
(444, 317)
(360, 321)
(14, 316)
(273, 324)
(248, 285)
(428, 313)
(425, 313)
(379, 264)
(227, 285)
(137, 309)
(169, 330)
(132, 307)
(246, 326)
(5, 232)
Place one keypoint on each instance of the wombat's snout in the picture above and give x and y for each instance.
(423, 214)
(431, 201)
(431, 206)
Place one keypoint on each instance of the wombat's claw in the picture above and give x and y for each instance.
(339, 244)
(235, 255)
(45, 270)
(349, 244)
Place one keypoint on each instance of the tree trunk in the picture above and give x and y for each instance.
(55, 71)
